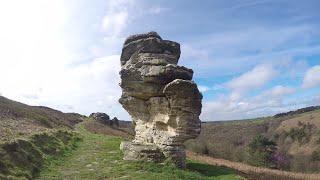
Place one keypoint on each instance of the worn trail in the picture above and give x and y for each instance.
(93, 159)
(252, 172)
(98, 157)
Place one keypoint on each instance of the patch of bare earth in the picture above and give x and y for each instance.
(252, 172)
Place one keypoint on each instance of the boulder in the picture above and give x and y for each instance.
(101, 117)
(161, 98)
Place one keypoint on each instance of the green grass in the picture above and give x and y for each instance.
(23, 158)
(99, 157)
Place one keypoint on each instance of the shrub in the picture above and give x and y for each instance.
(315, 155)
(302, 133)
(261, 151)
(281, 160)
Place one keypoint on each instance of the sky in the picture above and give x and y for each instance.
(250, 58)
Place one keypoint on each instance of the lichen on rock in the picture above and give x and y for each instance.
(161, 98)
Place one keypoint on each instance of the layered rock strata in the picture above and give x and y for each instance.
(161, 98)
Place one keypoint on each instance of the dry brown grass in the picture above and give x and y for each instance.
(21, 120)
(252, 172)
(312, 117)
(13, 128)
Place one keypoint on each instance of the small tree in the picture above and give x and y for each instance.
(261, 151)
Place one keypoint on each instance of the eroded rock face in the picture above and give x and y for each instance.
(102, 117)
(161, 98)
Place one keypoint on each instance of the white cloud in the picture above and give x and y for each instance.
(117, 17)
(39, 67)
(278, 91)
(86, 88)
(236, 106)
(158, 10)
(225, 52)
(255, 78)
(114, 23)
(203, 88)
(312, 77)
(114, 26)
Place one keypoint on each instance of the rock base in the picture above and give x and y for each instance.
(177, 155)
(137, 152)
(141, 152)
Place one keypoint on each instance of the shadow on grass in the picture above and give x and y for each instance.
(209, 170)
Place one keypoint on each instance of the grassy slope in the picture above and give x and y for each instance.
(99, 157)
(30, 135)
(23, 158)
(21, 120)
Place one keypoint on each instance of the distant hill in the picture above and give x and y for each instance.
(17, 119)
(298, 111)
(295, 133)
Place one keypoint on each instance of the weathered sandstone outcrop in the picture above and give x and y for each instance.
(161, 98)
(105, 119)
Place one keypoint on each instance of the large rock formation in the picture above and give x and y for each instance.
(105, 119)
(161, 98)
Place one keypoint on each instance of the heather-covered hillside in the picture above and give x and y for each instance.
(288, 141)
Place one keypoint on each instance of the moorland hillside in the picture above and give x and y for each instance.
(287, 141)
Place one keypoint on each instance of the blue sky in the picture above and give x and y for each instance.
(251, 58)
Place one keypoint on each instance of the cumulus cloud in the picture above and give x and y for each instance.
(158, 10)
(38, 67)
(239, 103)
(312, 77)
(203, 88)
(238, 107)
(278, 91)
(40, 64)
(225, 52)
(255, 78)
(86, 88)
(115, 22)
(117, 17)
